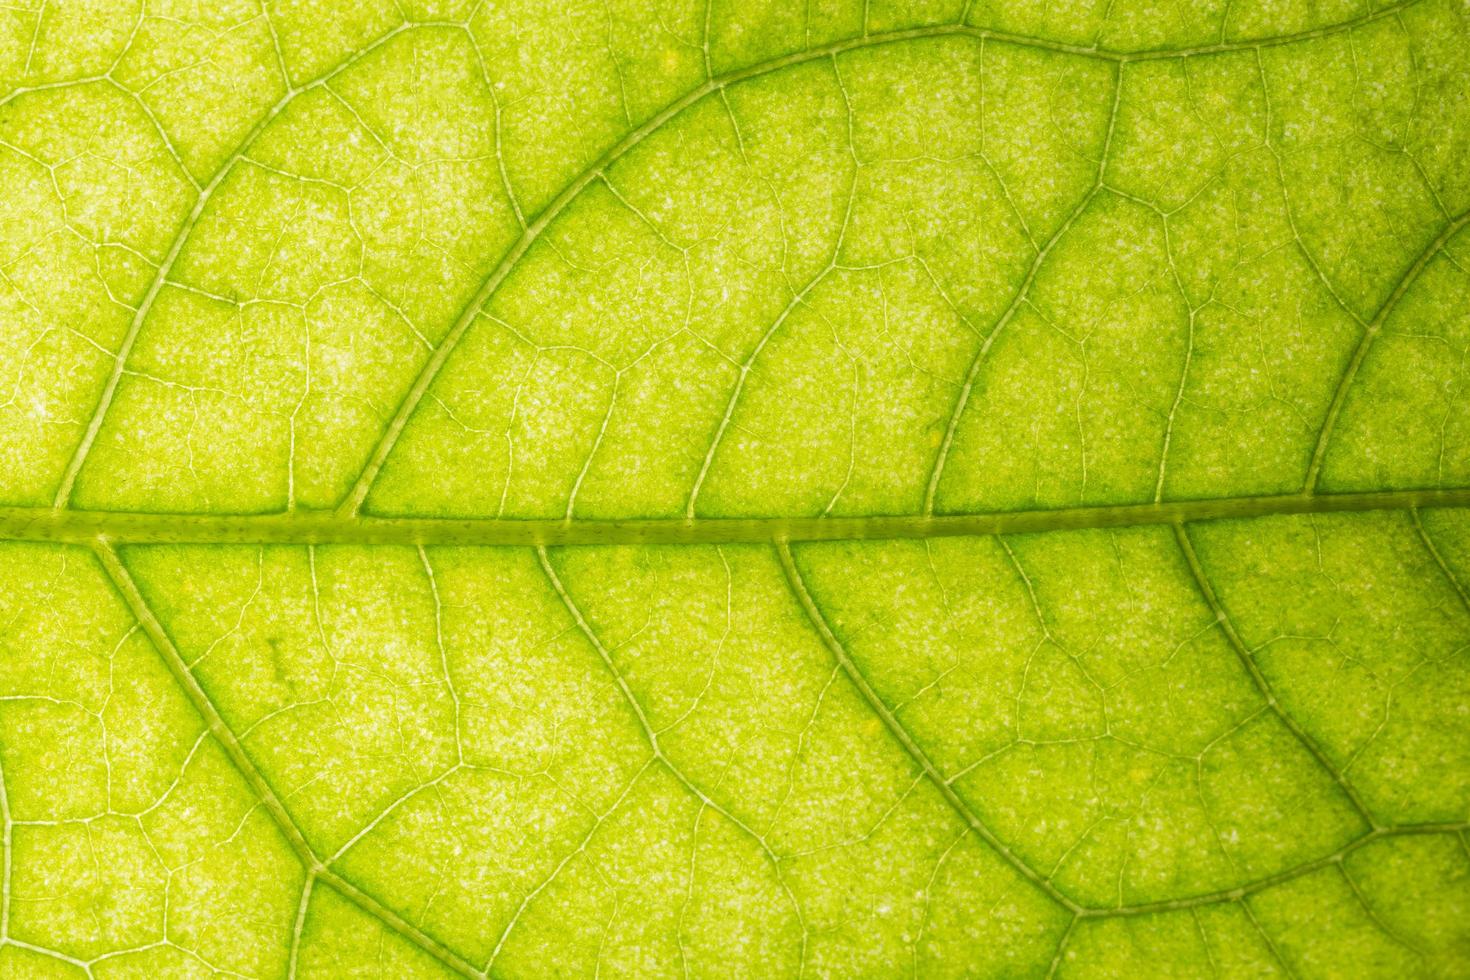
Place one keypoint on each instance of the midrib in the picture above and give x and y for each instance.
(88, 526)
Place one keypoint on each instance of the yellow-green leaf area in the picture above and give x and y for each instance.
(879, 488)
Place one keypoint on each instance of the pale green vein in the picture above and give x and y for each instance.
(912, 747)
(1248, 660)
(353, 501)
(1281, 877)
(127, 589)
(1223, 47)
(320, 527)
(650, 734)
(580, 848)
(1434, 552)
(176, 246)
(1056, 960)
(905, 740)
(299, 926)
(5, 857)
(1370, 331)
(972, 373)
(355, 497)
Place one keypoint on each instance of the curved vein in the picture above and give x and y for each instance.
(358, 493)
(1376, 831)
(355, 497)
(906, 741)
(1224, 47)
(941, 459)
(127, 589)
(1434, 552)
(1370, 331)
(797, 299)
(1247, 660)
(1266, 882)
(176, 246)
(352, 503)
(650, 734)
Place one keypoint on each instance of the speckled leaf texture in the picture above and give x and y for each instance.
(735, 488)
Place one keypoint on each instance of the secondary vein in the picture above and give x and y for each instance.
(127, 589)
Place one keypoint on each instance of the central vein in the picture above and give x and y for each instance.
(82, 527)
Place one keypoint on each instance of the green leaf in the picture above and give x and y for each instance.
(880, 488)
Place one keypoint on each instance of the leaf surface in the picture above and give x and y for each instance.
(886, 488)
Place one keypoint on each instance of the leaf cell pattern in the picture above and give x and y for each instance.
(865, 489)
